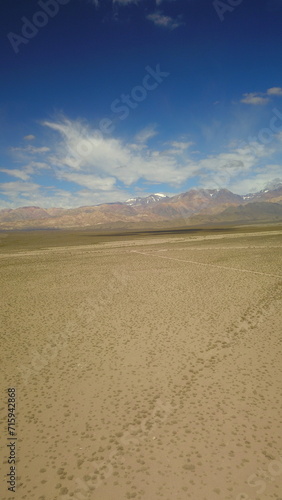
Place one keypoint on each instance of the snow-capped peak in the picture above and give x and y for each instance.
(152, 198)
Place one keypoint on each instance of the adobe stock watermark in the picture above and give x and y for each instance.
(227, 6)
(127, 102)
(121, 107)
(261, 479)
(255, 145)
(265, 135)
(31, 27)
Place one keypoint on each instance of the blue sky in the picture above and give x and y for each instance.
(103, 100)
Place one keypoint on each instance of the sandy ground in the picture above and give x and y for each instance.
(145, 369)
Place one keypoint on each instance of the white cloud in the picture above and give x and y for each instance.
(275, 91)
(254, 98)
(36, 165)
(257, 182)
(27, 170)
(84, 150)
(274, 182)
(32, 150)
(181, 145)
(279, 136)
(158, 18)
(22, 154)
(146, 133)
(89, 181)
(29, 137)
(105, 162)
(125, 2)
(260, 98)
(158, 2)
(163, 21)
(12, 189)
(177, 147)
(20, 194)
(103, 169)
(235, 170)
(20, 174)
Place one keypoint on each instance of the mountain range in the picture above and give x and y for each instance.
(196, 206)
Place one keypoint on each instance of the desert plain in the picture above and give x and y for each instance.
(146, 366)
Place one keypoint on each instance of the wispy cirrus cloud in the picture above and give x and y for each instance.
(109, 159)
(146, 133)
(94, 169)
(28, 151)
(15, 172)
(24, 189)
(258, 181)
(87, 151)
(178, 148)
(27, 193)
(25, 173)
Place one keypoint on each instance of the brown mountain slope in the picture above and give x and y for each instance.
(251, 212)
(202, 205)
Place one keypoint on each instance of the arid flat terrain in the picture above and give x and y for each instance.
(145, 366)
